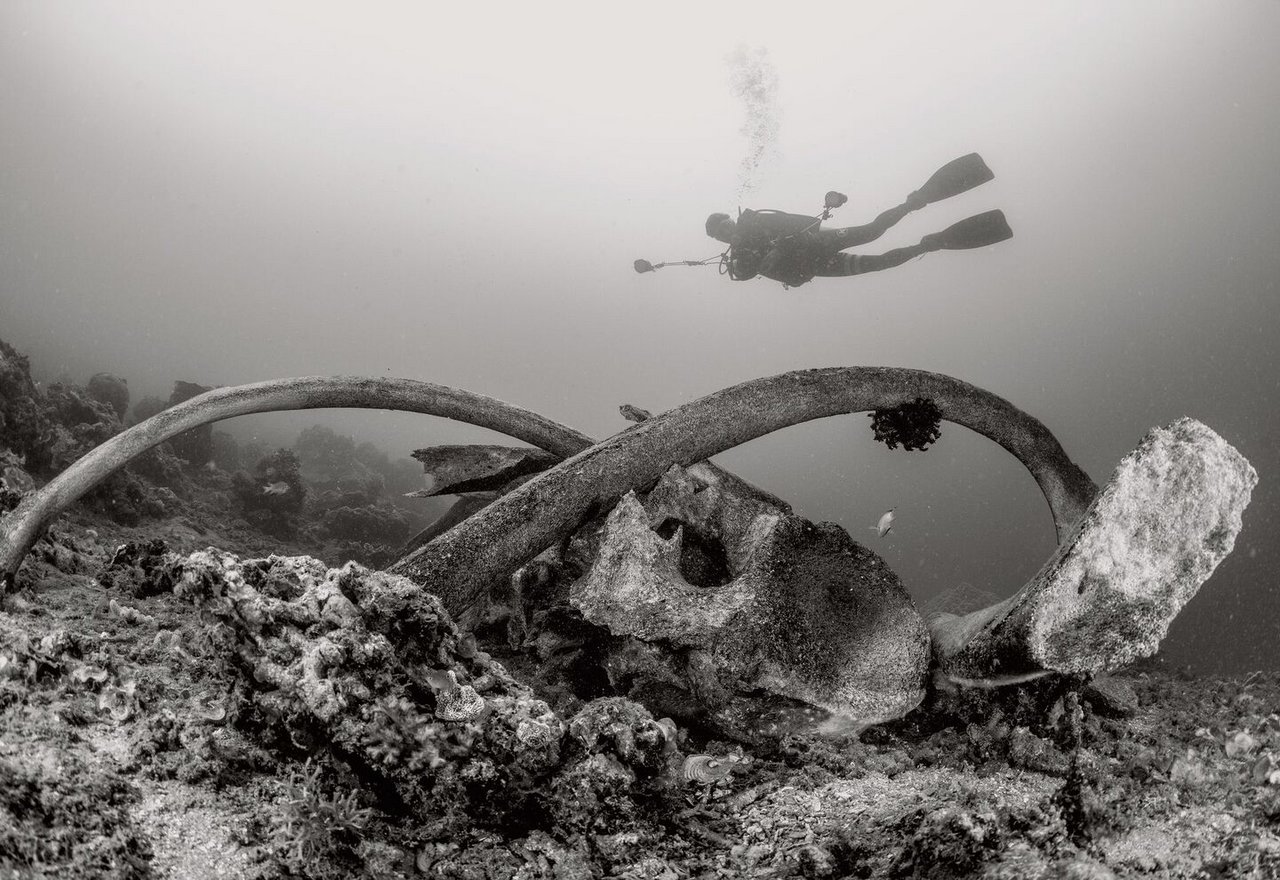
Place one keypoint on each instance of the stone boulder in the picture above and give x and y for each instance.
(148, 407)
(1169, 514)
(111, 390)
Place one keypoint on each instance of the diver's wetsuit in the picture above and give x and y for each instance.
(793, 248)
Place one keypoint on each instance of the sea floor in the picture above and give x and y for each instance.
(114, 762)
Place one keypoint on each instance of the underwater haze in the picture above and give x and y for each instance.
(227, 193)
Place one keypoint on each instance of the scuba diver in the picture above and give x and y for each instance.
(794, 249)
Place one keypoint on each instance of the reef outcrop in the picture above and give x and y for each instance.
(110, 389)
(367, 670)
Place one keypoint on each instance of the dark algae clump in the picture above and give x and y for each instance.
(913, 425)
(69, 820)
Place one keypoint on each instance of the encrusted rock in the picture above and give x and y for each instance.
(339, 658)
(624, 729)
(618, 754)
(15, 479)
(817, 863)
(949, 843)
(141, 568)
(463, 704)
(1112, 697)
(367, 669)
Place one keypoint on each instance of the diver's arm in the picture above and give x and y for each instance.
(769, 265)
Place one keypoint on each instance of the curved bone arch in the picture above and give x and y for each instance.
(23, 525)
(461, 564)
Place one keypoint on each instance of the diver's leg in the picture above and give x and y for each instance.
(852, 236)
(859, 264)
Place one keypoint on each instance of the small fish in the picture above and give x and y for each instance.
(670, 732)
(634, 413)
(442, 680)
(211, 710)
(886, 523)
(279, 487)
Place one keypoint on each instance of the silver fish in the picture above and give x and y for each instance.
(279, 487)
(443, 680)
(886, 523)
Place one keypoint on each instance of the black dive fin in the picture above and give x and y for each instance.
(977, 231)
(957, 176)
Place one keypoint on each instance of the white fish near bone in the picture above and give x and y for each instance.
(886, 523)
